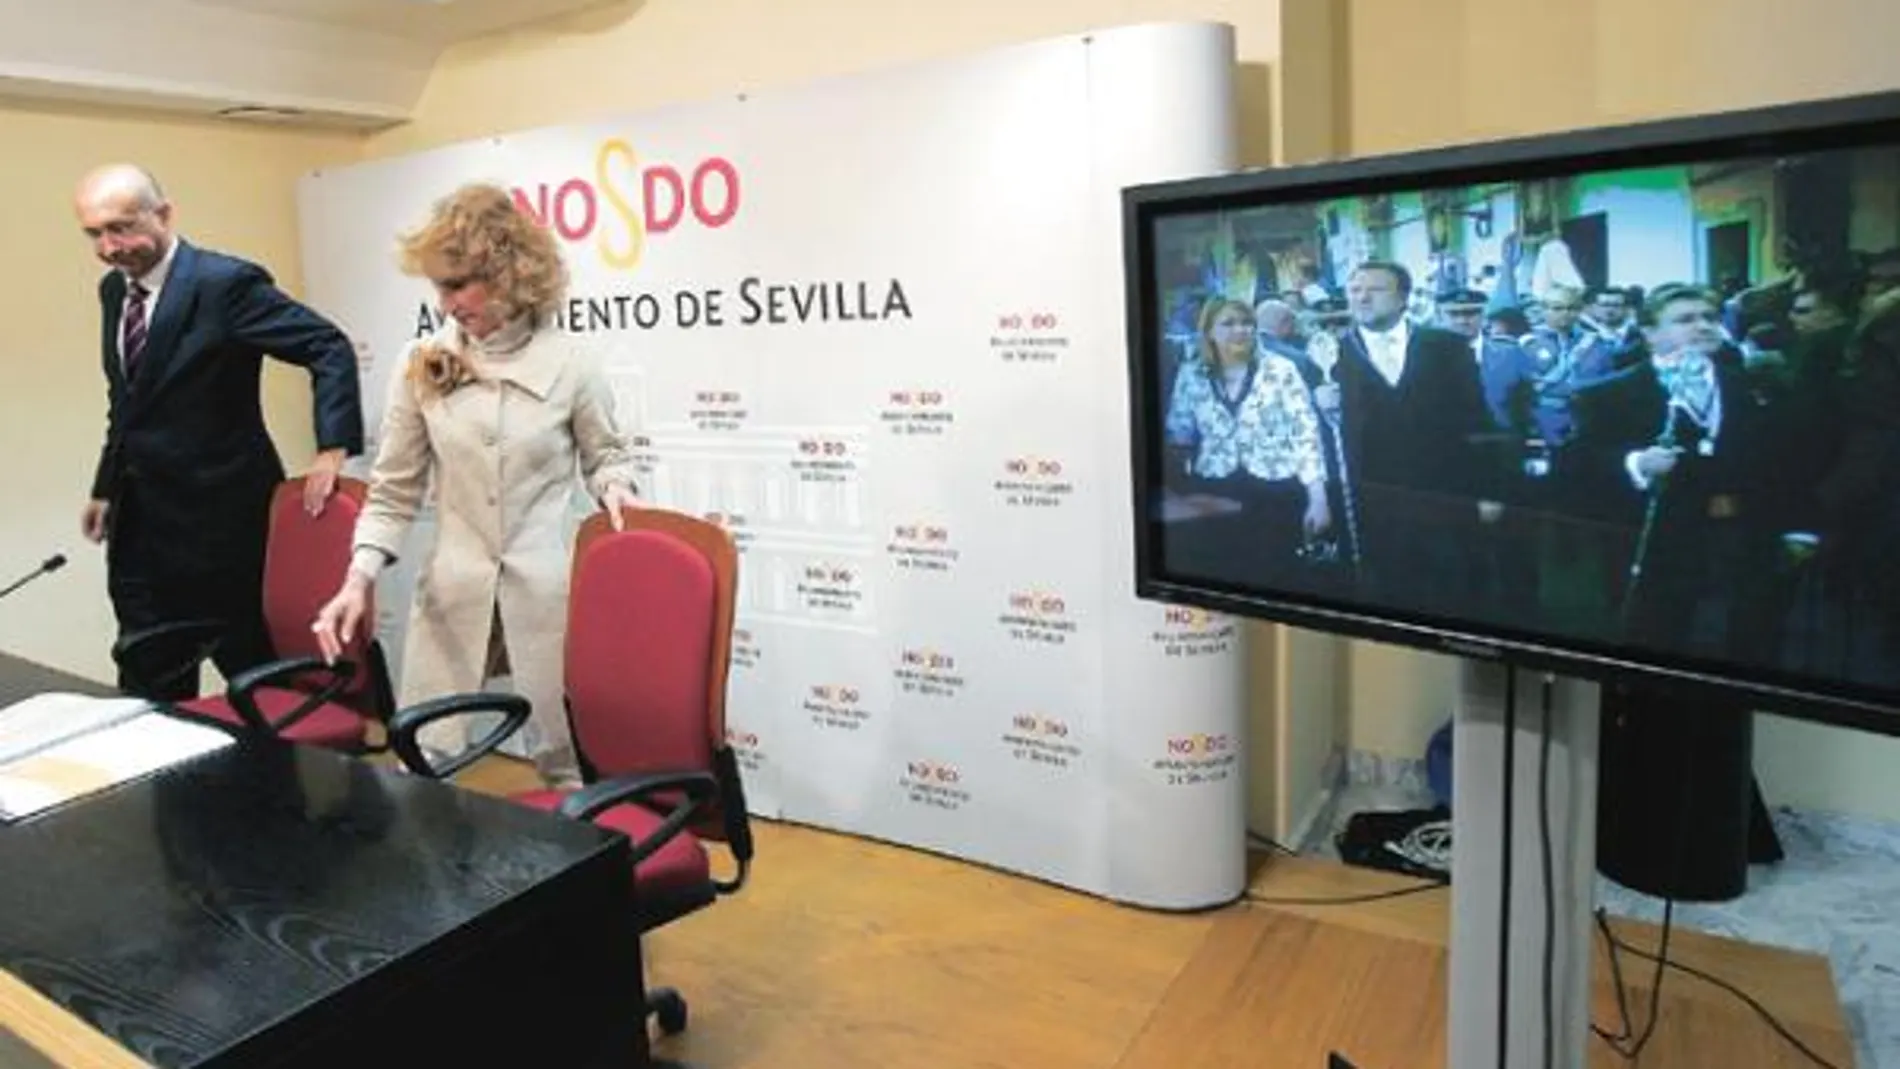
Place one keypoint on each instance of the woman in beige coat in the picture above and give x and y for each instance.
(507, 419)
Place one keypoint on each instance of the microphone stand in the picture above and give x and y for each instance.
(51, 564)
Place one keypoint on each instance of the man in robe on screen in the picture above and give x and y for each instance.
(1689, 460)
(1415, 428)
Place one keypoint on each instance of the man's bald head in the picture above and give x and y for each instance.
(123, 211)
(122, 181)
(1277, 319)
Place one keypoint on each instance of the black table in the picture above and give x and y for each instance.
(22, 679)
(277, 905)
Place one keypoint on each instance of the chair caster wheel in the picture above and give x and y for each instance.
(669, 1009)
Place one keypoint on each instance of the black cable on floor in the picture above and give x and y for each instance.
(1617, 1042)
(1337, 900)
(1616, 980)
(1615, 947)
(1504, 893)
(1275, 845)
(1744, 997)
(1661, 957)
(1550, 890)
(1348, 900)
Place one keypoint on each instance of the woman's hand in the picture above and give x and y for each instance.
(337, 621)
(1319, 515)
(615, 498)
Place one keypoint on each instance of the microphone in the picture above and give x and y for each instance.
(51, 564)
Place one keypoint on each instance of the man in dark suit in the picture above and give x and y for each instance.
(183, 485)
(1416, 430)
(1688, 462)
(1506, 551)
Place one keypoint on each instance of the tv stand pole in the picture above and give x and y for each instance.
(1482, 920)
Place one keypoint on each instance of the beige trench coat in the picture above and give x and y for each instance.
(506, 454)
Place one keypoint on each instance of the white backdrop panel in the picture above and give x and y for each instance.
(874, 327)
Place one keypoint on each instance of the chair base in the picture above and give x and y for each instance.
(668, 1008)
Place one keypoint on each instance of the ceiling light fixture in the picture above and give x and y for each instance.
(260, 113)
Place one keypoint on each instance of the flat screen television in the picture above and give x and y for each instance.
(1619, 403)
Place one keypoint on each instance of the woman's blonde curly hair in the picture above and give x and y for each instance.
(479, 233)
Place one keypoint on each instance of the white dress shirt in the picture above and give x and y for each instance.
(1387, 348)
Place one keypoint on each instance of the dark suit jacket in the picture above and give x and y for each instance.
(1628, 413)
(1427, 434)
(186, 447)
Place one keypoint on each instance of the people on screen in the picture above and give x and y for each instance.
(1247, 432)
(1611, 312)
(182, 489)
(507, 418)
(1421, 478)
(1504, 556)
(1708, 469)
(1570, 356)
(1686, 451)
(1859, 490)
(1507, 371)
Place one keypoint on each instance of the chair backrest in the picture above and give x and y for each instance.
(304, 563)
(649, 643)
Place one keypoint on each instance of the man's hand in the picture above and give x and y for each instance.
(1657, 461)
(92, 521)
(320, 482)
(1327, 399)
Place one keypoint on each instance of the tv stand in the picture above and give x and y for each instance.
(1492, 935)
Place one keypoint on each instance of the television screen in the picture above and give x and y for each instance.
(1623, 400)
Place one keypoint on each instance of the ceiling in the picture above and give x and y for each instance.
(444, 21)
(353, 64)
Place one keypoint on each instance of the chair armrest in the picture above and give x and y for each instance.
(201, 636)
(737, 821)
(403, 726)
(240, 690)
(590, 801)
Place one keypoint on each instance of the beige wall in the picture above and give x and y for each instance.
(1460, 70)
(641, 55)
(1422, 74)
(235, 190)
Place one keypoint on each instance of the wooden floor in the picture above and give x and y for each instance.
(843, 953)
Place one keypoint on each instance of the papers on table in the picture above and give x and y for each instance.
(58, 747)
(45, 719)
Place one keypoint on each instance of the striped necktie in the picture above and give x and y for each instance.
(134, 344)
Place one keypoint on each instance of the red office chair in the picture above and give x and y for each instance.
(296, 697)
(648, 644)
